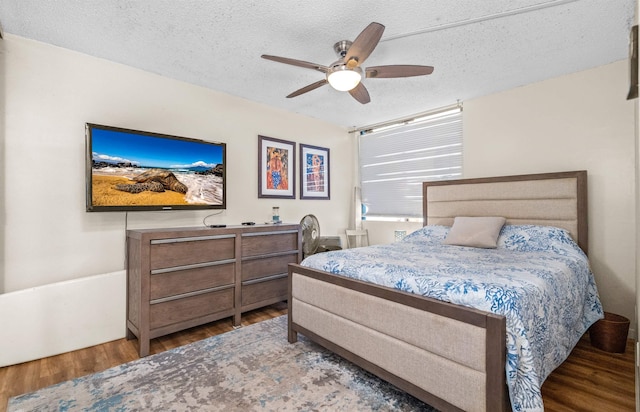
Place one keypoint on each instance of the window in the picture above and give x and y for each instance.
(395, 159)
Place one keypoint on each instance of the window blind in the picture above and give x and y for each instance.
(394, 162)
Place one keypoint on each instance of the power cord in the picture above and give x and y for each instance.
(204, 220)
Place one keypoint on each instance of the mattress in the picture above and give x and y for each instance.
(537, 277)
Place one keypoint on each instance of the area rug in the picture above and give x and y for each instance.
(253, 368)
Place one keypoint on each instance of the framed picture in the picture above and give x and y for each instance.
(276, 168)
(633, 62)
(314, 172)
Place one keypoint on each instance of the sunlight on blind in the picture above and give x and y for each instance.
(394, 163)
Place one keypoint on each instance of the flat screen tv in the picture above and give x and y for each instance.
(129, 170)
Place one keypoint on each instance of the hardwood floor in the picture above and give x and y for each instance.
(590, 380)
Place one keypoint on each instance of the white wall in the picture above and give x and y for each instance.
(49, 95)
(574, 122)
(62, 316)
(52, 92)
(580, 121)
(637, 174)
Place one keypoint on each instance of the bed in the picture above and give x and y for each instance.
(480, 350)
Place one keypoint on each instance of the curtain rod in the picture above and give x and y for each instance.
(404, 120)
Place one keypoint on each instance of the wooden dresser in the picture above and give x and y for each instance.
(183, 277)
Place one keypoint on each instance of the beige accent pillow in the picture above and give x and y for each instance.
(475, 231)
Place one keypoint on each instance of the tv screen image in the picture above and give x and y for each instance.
(131, 170)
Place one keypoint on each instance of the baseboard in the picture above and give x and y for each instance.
(61, 317)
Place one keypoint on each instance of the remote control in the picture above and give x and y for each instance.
(248, 223)
(217, 225)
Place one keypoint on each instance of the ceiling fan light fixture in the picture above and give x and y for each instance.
(341, 78)
(346, 73)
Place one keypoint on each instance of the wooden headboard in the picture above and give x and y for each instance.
(550, 199)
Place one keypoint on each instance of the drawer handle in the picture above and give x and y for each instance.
(190, 294)
(193, 266)
(280, 232)
(269, 255)
(190, 239)
(265, 279)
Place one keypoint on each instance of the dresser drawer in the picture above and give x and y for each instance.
(263, 291)
(182, 277)
(188, 308)
(258, 268)
(262, 243)
(188, 280)
(167, 253)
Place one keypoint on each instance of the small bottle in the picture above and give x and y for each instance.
(276, 214)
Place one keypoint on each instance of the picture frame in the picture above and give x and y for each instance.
(315, 177)
(276, 168)
(633, 63)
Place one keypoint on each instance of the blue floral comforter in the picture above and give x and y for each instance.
(537, 277)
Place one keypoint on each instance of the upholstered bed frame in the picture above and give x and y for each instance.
(449, 356)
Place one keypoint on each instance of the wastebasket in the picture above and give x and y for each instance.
(610, 333)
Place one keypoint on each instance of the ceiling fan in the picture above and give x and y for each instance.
(346, 73)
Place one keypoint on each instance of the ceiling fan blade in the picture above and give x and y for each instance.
(398, 70)
(308, 88)
(363, 45)
(294, 62)
(360, 93)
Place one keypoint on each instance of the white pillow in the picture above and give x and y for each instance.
(479, 232)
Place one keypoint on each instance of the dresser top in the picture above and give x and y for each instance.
(207, 230)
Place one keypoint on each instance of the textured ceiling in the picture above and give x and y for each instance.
(477, 47)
